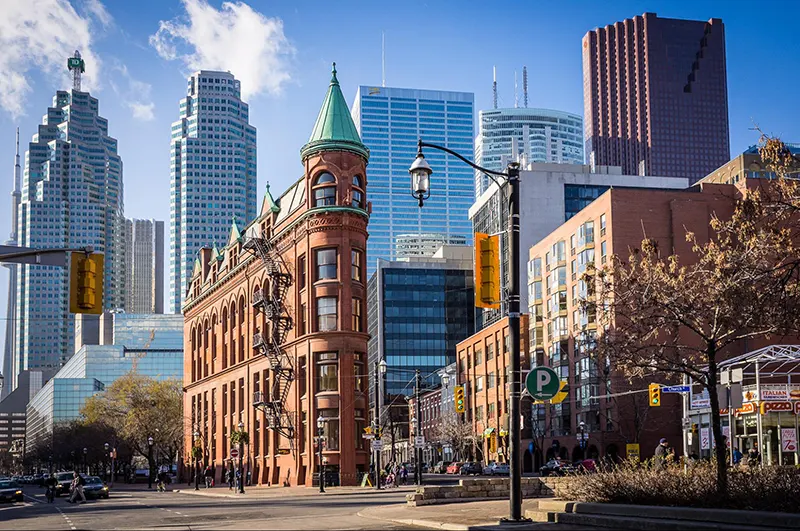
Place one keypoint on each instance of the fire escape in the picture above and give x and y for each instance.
(269, 342)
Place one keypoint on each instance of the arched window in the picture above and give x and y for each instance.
(358, 193)
(324, 190)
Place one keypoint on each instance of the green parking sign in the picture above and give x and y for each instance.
(542, 383)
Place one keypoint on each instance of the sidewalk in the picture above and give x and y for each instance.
(483, 515)
(276, 491)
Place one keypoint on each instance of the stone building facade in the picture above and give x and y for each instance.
(275, 323)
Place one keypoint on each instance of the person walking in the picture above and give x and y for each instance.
(229, 476)
(77, 488)
(209, 476)
(661, 453)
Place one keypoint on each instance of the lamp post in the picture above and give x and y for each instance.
(582, 427)
(445, 393)
(85, 461)
(320, 432)
(421, 172)
(149, 462)
(195, 437)
(241, 457)
(418, 428)
(380, 371)
(105, 461)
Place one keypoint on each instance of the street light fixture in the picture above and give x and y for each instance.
(105, 461)
(150, 462)
(195, 437)
(85, 461)
(420, 189)
(582, 427)
(320, 432)
(241, 457)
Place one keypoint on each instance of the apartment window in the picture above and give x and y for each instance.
(603, 251)
(359, 373)
(602, 225)
(301, 375)
(326, 264)
(489, 351)
(301, 322)
(490, 381)
(330, 431)
(358, 193)
(301, 272)
(478, 356)
(490, 412)
(479, 383)
(327, 372)
(355, 267)
(357, 316)
(479, 413)
(327, 315)
(324, 190)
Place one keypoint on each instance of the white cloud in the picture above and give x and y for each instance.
(134, 93)
(40, 35)
(235, 37)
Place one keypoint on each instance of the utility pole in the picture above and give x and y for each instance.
(418, 429)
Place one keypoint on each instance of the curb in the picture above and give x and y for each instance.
(277, 493)
(430, 524)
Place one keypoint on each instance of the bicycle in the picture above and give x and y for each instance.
(50, 494)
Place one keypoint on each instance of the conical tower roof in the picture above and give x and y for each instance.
(334, 130)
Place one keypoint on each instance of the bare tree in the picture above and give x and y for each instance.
(454, 433)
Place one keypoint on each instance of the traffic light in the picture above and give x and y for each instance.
(655, 394)
(487, 271)
(459, 396)
(86, 283)
(694, 427)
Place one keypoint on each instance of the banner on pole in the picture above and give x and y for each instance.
(705, 439)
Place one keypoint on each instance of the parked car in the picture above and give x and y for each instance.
(556, 467)
(95, 488)
(586, 465)
(10, 491)
(64, 481)
(441, 467)
(471, 467)
(454, 467)
(496, 469)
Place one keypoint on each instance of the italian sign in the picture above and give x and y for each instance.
(542, 383)
(789, 439)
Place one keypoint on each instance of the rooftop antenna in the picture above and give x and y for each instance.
(516, 91)
(76, 65)
(494, 86)
(383, 59)
(525, 85)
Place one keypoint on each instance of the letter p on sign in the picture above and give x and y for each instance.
(542, 383)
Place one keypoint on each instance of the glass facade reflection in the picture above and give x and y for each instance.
(423, 310)
(150, 344)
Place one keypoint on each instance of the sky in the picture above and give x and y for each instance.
(138, 55)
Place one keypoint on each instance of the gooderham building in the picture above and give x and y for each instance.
(275, 323)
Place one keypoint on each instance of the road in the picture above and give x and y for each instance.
(142, 509)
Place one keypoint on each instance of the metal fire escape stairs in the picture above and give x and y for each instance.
(269, 342)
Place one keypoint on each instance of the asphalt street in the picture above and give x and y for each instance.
(141, 509)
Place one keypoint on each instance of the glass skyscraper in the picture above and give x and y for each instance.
(71, 197)
(534, 135)
(212, 173)
(390, 121)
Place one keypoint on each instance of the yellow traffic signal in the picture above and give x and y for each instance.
(459, 396)
(654, 390)
(487, 271)
(86, 283)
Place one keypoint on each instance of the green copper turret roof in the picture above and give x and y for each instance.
(334, 130)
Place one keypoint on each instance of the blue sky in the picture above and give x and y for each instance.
(282, 51)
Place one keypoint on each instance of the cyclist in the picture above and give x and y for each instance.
(50, 483)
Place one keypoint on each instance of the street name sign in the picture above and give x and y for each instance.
(542, 383)
(674, 388)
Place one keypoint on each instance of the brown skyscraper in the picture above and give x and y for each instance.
(656, 96)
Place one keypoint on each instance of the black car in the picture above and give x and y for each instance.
(94, 487)
(557, 468)
(10, 491)
(470, 468)
(64, 482)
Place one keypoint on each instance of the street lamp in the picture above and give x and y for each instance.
(420, 189)
(320, 432)
(85, 462)
(150, 462)
(582, 427)
(105, 461)
(380, 372)
(241, 457)
(195, 437)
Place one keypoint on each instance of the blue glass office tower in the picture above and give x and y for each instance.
(390, 121)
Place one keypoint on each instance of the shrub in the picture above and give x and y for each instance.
(769, 488)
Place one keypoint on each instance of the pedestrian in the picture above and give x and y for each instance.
(229, 477)
(238, 480)
(403, 475)
(737, 456)
(661, 453)
(209, 476)
(753, 455)
(77, 488)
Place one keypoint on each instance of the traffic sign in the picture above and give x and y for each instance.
(234, 453)
(377, 444)
(419, 441)
(542, 383)
(368, 436)
(674, 388)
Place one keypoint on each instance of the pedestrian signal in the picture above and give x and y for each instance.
(487, 271)
(86, 283)
(459, 397)
(654, 390)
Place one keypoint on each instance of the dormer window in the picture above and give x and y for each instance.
(358, 193)
(325, 190)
